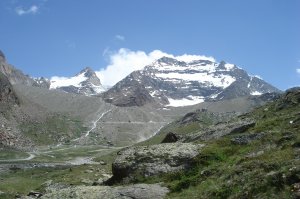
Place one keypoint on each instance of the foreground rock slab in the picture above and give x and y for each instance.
(137, 191)
(152, 160)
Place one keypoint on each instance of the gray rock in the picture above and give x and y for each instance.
(143, 191)
(246, 139)
(35, 194)
(153, 160)
(219, 130)
(7, 93)
(137, 191)
(102, 180)
(244, 126)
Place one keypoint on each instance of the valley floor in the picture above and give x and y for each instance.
(22, 172)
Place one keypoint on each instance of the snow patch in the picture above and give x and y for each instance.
(99, 89)
(185, 102)
(205, 78)
(257, 76)
(76, 81)
(256, 93)
(229, 66)
(249, 84)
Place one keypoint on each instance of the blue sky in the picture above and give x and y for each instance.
(60, 37)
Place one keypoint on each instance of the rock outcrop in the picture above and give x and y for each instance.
(153, 160)
(2, 56)
(138, 191)
(289, 99)
(220, 130)
(7, 94)
(246, 139)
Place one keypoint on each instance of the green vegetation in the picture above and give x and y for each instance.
(53, 130)
(191, 123)
(8, 154)
(264, 168)
(21, 181)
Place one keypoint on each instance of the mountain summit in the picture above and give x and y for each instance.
(171, 82)
(86, 82)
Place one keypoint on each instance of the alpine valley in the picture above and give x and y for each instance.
(178, 128)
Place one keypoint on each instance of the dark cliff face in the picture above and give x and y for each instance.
(7, 94)
(169, 79)
(128, 92)
(2, 56)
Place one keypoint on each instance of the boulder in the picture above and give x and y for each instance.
(35, 194)
(152, 160)
(170, 138)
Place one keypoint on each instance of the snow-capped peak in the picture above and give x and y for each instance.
(181, 82)
(56, 82)
(85, 82)
(203, 71)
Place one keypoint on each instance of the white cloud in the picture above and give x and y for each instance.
(32, 10)
(298, 70)
(125, 61)
(120, 37)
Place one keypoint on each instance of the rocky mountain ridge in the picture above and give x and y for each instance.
(14, 75)
(86, 82)
(167, 82)
(170, 82)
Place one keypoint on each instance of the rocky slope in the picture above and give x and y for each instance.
(9, 102)
(253, 155)
(89, 120)
(86, 82)
(177, 83)
(255, 159)
(7, 94)
(14, 75)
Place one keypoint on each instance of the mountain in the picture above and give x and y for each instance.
(7, 94)
(86, 82)
(171, 82)
(216, 155)
(14, 75)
